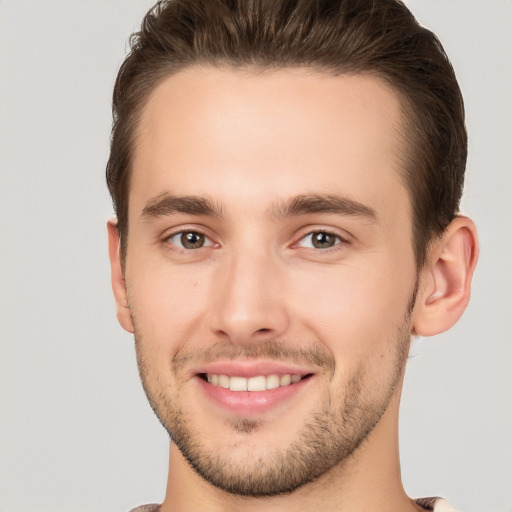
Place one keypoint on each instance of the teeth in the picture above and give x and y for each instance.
(286, 379)
(272, 381)
(237, 384)
(258, 383)
(223, 381)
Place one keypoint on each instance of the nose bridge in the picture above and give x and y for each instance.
(249, 304)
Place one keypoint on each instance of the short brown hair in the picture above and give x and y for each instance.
(380, 37)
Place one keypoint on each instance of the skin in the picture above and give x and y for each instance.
(249, 143)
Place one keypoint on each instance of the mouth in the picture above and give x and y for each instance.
(251, 388)
(253, 384)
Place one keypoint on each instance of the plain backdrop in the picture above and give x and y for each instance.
(76, 433)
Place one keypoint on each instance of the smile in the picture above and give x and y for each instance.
(256, 383)
(247, 388)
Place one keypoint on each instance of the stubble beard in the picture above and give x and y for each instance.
(327, 440)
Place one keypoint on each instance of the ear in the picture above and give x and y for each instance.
(446, 279)
(117, 276)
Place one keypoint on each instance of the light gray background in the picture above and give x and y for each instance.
(76, 433)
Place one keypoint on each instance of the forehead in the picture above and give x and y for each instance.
(249, 136)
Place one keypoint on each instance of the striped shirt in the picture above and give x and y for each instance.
(429, 504)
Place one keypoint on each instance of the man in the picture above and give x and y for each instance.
(286, 177)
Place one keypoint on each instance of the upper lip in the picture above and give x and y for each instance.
(250, 369)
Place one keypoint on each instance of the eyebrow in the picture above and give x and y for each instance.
(321, 203)
(167, 204)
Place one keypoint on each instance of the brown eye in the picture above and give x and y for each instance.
(189, 240)
(320, 240)
(192, 240)
(323, 240)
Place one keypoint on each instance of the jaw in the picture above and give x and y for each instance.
(366, 479)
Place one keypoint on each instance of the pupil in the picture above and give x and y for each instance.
(323, 240)
(192, 240)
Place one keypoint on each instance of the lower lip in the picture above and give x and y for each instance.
(249, 403)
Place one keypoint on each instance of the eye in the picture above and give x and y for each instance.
(189, 240)
(320, 240)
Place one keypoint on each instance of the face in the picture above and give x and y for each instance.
(270, 272)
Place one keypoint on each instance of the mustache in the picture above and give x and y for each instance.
(275, 350)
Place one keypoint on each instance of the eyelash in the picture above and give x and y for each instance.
(340, 241)
(175, 246)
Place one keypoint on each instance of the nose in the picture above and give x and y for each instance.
(250, 302)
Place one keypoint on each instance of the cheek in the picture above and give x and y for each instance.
(167, 304)
(356, 311)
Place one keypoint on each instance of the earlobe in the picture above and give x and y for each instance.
(446, 279)
(117, 276)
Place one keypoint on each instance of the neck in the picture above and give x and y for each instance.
(368, 480)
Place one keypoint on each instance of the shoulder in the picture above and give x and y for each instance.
(435, 505)
(147, 508)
